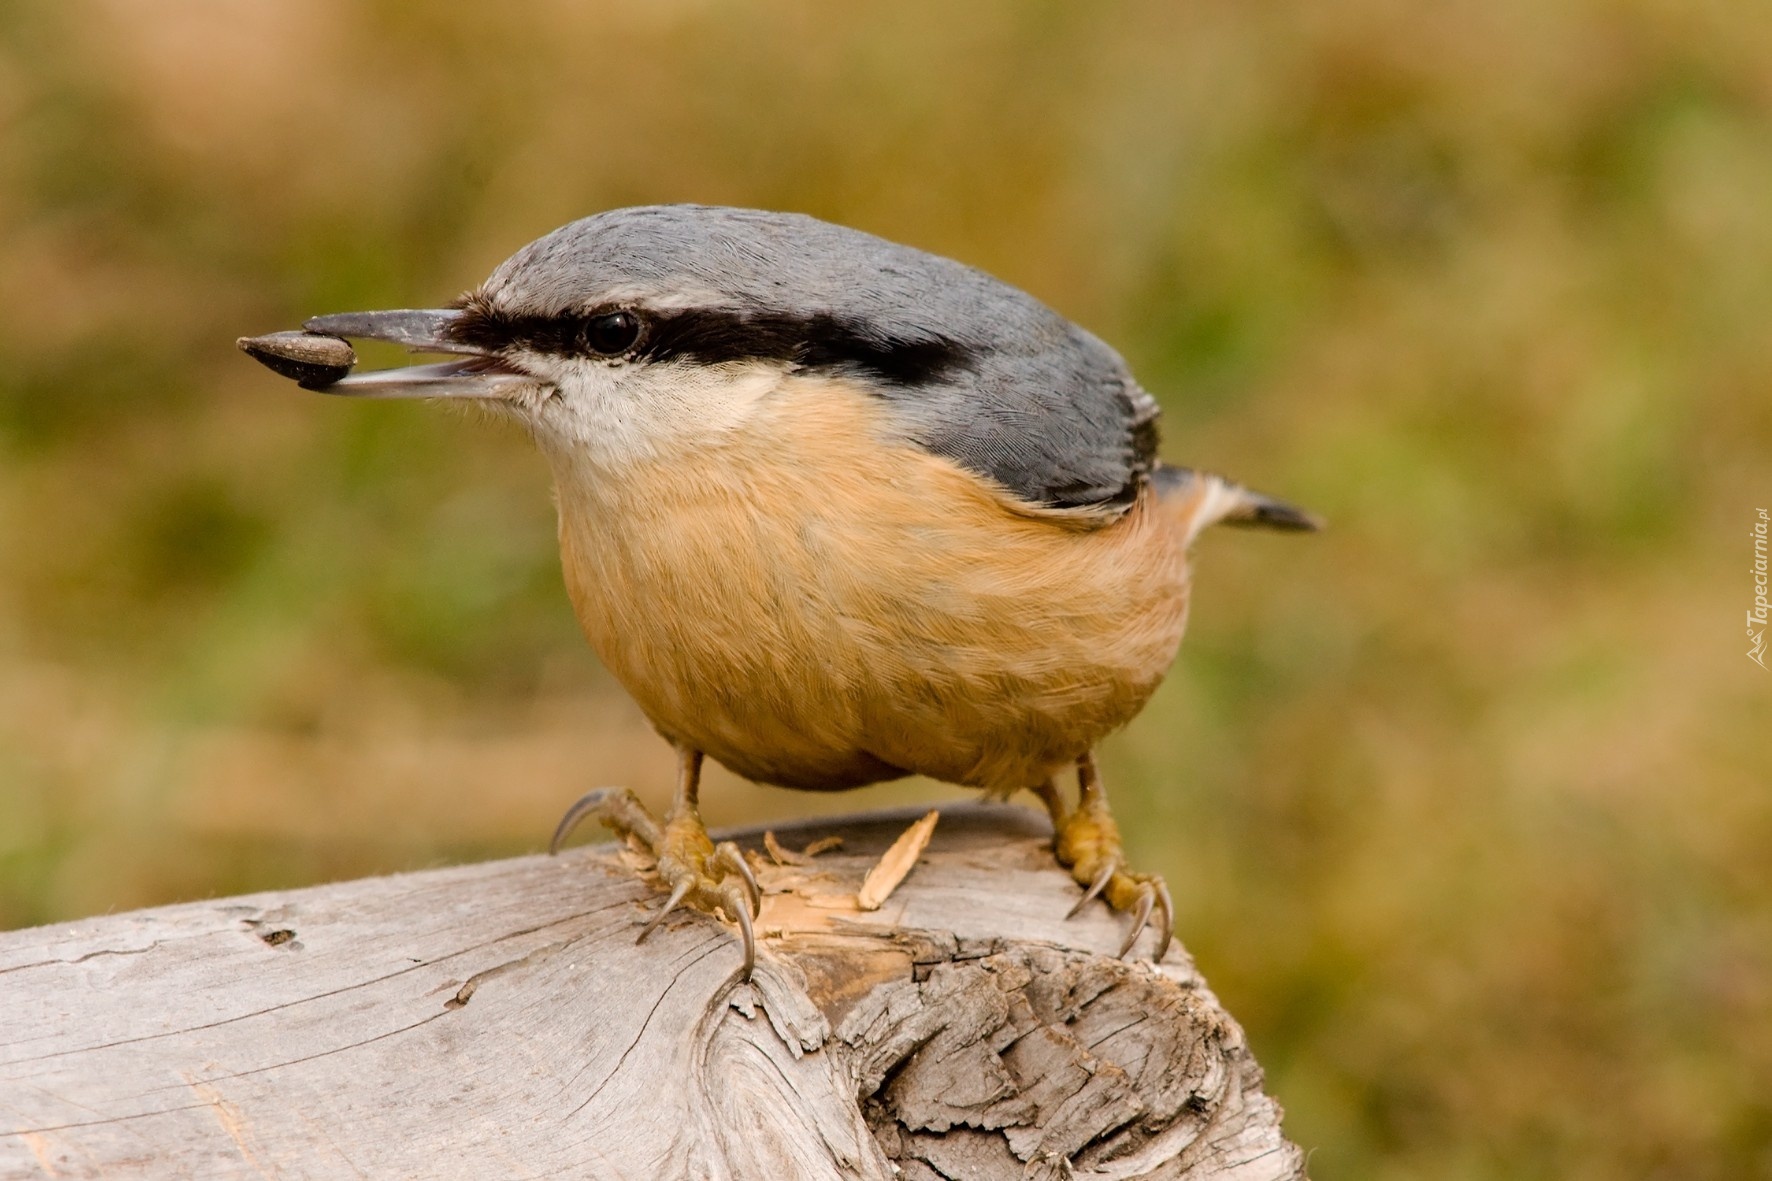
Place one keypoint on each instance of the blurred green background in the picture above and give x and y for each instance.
(1465, 803)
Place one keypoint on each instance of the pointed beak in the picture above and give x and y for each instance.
(320, 358)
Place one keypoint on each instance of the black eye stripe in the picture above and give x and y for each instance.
(820, 340)
(485, 328)
(712, 336)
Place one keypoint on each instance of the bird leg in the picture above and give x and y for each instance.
(700, 874)
(1087, 842)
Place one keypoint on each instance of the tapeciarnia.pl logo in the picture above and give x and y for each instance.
(1757, 618)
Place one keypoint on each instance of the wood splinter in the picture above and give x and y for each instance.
(896, 862)
(782, 855)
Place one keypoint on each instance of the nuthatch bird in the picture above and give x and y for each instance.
(833, 510)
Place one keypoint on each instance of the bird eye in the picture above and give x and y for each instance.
(613, 333)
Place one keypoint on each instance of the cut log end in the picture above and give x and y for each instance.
(498, 1018)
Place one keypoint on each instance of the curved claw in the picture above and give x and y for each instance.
(1165, 907)
(619, 809)
(1108, 869)
(728, 857)
(1141, 915)
(671, 903)
(590, 802)
(736, 900)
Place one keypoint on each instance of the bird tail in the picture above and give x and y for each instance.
(1198, 499)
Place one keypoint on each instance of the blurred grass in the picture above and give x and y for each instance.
(1465, 803)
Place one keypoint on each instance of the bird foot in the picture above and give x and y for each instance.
(701, 875)
(1088, 844)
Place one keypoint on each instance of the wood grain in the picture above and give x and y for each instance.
(498, 1020)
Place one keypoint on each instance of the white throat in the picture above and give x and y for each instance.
(609, 417)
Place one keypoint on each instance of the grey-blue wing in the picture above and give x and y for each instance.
(1060, 425)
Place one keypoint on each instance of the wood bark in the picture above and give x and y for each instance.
(499, 1020)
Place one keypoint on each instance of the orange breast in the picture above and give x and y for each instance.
(817, 605)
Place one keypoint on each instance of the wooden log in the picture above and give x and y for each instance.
(498, 1020)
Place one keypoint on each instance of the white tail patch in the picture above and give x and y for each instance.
(1197, 500)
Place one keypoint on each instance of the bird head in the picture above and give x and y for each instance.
(639, 335)
(632, 334)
